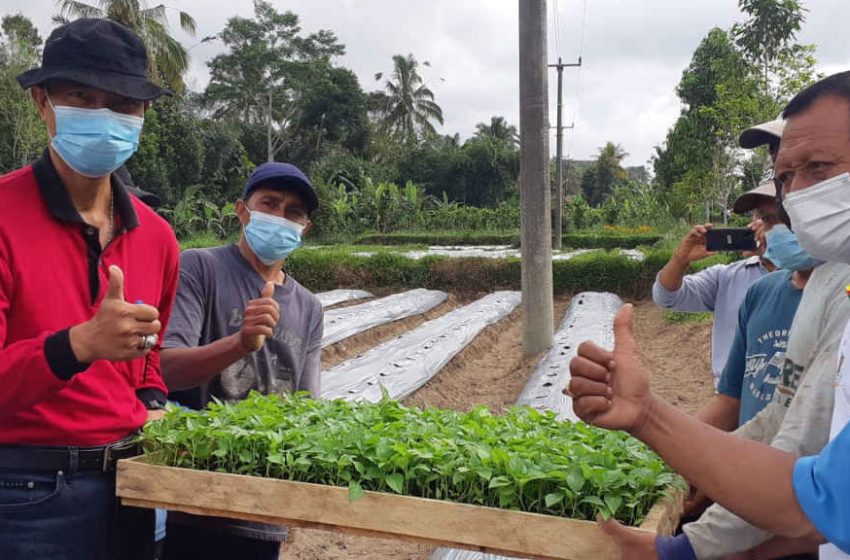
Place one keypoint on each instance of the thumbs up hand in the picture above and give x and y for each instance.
(260, 319)
(611, 389)
(117, 329)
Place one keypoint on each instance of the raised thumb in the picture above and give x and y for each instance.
(624, 334)
(268, 290)
(116, 284)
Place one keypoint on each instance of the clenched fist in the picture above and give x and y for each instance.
(260, 319)
(611, 389)
(116, 331)
(692, 247)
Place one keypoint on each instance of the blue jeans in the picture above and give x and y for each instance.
(69, 516)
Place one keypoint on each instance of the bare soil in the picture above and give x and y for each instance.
(492, 372)
(678, 355)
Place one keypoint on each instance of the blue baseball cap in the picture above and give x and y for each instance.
(275, 175)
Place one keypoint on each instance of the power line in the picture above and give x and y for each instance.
(578, 75)
(556, 24)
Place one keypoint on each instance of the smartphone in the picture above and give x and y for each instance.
(730, 239)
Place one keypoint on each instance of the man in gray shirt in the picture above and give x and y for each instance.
(241, 324)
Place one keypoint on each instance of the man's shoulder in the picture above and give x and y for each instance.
(11, 191)
(206, 260)
(777, 279)
(305, 295)
(152, 223)
(831, 274)
(749, 264)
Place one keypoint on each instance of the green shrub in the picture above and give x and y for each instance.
(328, 268)
(601, 240)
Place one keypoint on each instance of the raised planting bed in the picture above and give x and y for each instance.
(520, 484)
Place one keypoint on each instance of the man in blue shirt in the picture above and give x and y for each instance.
(758, 349)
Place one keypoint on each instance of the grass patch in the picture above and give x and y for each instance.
(685, 317)
(441, 238)
(202, 240)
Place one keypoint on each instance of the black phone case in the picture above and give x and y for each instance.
(730, 239)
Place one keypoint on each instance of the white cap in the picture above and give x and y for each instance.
(765, 133)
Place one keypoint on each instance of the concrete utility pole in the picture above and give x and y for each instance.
(537, 298)
(558, 206)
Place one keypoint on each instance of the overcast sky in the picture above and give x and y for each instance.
(633, 50)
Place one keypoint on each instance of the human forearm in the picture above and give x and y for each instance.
(720, 465)
(721, 412)
(34, 370)
(673, 273)
(778, 547)
(185, 368)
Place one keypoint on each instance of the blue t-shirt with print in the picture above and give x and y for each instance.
(757, 354)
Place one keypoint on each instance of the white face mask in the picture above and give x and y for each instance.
(820, 216)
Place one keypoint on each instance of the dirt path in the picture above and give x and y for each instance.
(492, 372)
(679, 356)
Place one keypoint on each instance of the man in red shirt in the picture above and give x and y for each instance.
(87, 280)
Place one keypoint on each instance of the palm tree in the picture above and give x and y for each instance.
(407, 106)
(499, 130)
(167, 57)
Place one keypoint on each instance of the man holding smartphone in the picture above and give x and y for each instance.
(719, 289)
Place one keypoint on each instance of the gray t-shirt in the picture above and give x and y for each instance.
(215, 286)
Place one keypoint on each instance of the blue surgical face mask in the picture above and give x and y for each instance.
(272, 238)
(95, 142)
(785, 252)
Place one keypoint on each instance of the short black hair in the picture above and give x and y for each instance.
(837, 85)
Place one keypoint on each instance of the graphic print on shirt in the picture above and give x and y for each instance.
(264, 370)
(791, 374)
(763, 370)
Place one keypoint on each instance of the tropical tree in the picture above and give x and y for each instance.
(406, 107)
(607, 172)
(269, 79)
(22, 134)
(766, 37)
(499, 130)
(167, 57)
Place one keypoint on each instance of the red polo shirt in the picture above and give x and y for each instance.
(53, 276)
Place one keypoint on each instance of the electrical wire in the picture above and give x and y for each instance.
(556, 24)
(578, 76)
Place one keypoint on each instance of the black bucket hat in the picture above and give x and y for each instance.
(98, 53)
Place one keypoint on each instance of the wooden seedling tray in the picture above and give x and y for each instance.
(377, 514)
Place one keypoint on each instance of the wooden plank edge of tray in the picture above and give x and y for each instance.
(663, 517)
(377, 514)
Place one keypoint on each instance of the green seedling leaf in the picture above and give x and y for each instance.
(355, 491)
(553, 499)
(613, 502)
(396, 482)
